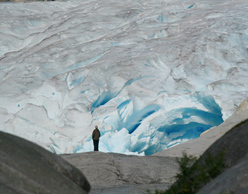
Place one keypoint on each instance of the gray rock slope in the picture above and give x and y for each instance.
(27, 168)
(234, 180)
(118, 173)
(235, 144)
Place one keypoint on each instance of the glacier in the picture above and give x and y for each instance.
(150, 74)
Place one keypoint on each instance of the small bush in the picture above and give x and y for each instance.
(192, 176)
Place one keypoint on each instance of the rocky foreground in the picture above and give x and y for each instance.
(28, 168)
(117, 173)
(234, 179)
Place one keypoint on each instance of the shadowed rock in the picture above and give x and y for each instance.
(27, 168)
(234, 180)
(235, 145)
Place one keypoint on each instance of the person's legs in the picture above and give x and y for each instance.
(96, 142)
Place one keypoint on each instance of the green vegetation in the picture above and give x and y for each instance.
(192, 175)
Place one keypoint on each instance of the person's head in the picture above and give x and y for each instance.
(96, 127)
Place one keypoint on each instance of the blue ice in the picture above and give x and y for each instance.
(191, 6)
(208, 102)
(161, 18)
(77, 81)
(107, 96)
(134, 120)
(115, 43)
(102, 99)
(123, 104)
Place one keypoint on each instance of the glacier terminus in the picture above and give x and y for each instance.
(151, 74)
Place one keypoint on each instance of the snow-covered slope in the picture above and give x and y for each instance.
(150, 74)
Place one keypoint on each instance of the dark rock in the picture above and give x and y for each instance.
(233, 180)
(27, 168)
(235, 145)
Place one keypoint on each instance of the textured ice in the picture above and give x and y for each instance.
(150, 74)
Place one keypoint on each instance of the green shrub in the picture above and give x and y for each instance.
(192, 175)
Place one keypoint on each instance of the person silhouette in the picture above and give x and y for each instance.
(96, 136)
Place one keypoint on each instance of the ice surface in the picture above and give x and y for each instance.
(150, 74)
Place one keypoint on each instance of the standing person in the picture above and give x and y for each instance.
(96, 136)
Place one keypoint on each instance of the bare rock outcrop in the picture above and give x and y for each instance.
(118, 173)
(233, 180)
(27, 168)
(235, 145)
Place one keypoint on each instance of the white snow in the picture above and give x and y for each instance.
(151, 74)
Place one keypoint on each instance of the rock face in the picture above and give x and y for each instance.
(235, 145)
(234, 180)
(27, 168)
(117, 173)
(242, 107)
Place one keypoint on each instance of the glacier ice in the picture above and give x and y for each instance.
(150, 74)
